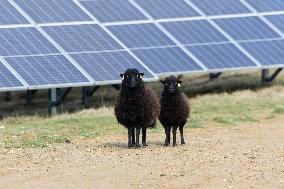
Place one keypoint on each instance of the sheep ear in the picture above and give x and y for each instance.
(163, 82)
(141, 75)
(122, 76)
(179, 82)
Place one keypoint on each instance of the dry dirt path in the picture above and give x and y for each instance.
(247, 156)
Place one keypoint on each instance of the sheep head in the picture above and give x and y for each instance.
(171, 85)
(132, 79)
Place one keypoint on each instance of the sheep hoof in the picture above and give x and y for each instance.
(130, 145)
(182, 143)
(174, 145)
(166, 144)
(145, 144)
(137, 145)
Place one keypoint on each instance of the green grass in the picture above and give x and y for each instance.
(218, 109)
(207, 110)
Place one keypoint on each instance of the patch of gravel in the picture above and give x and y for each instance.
(246, 156)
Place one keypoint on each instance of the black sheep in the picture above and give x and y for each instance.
(137, 107)
(174, 109)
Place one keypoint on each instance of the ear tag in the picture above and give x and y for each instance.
(178, 84)
(123, 77)
(141, 77)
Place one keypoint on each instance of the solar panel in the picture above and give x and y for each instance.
(79, 38)
(10, 15)
(160, 9)
(194, 32)
(140, 35)
(247, 28)
(277, 20)
(167, 60)
(267, 52)
(221, 56)
(221, 7)
(24, 41)
(43, 11)
(41, 71)
(8, 80)
(107, 66)
(113, 10)
(84, 42)
(267, 5)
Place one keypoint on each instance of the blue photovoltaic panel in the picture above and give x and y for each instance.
(79, 38)
(277, 20)
(267, 5)
(113, 10)
(266, 52)
(10, 15)
(7, 79)
(246, 28)
(43, 11)
(160, 9)
(221, 7)
(140, 35)
(221, 56)
(24, 41)
(106, 66)
(46, 70)
(194, 32)
(166, 60)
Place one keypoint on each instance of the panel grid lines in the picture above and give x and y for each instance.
(170, 36)
(264, 19)
(83, 78)
(154, 77)
(226, 35)
(86, 42)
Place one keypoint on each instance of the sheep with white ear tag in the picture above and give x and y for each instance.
(174, 109)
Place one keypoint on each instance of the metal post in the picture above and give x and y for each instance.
(52, 101)
(85, 96)
(29, 96)
(264, 75)
(213, 76)
(8, 96)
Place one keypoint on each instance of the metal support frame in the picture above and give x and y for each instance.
(87, 93)
(265, 77)
(29, 96)
(213, 76)
(55, 100)
(8, 96)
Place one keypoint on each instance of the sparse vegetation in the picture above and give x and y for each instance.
(217, 109)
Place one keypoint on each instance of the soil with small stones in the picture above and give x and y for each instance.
(246, 156)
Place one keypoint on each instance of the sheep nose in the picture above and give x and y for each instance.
(132, 83)
(171, 89)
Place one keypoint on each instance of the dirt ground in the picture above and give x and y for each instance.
(246, 156)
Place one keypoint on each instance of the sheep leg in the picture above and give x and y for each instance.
(133, 136)
(174, 136)
(168, 136)
(181, 135)
(144, 130)
(130, 130)
(137, 144)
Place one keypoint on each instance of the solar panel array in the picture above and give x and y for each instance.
(57, 43)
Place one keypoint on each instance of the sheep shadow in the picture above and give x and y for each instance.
(123, 145)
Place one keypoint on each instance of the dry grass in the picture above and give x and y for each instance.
(233, 100)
